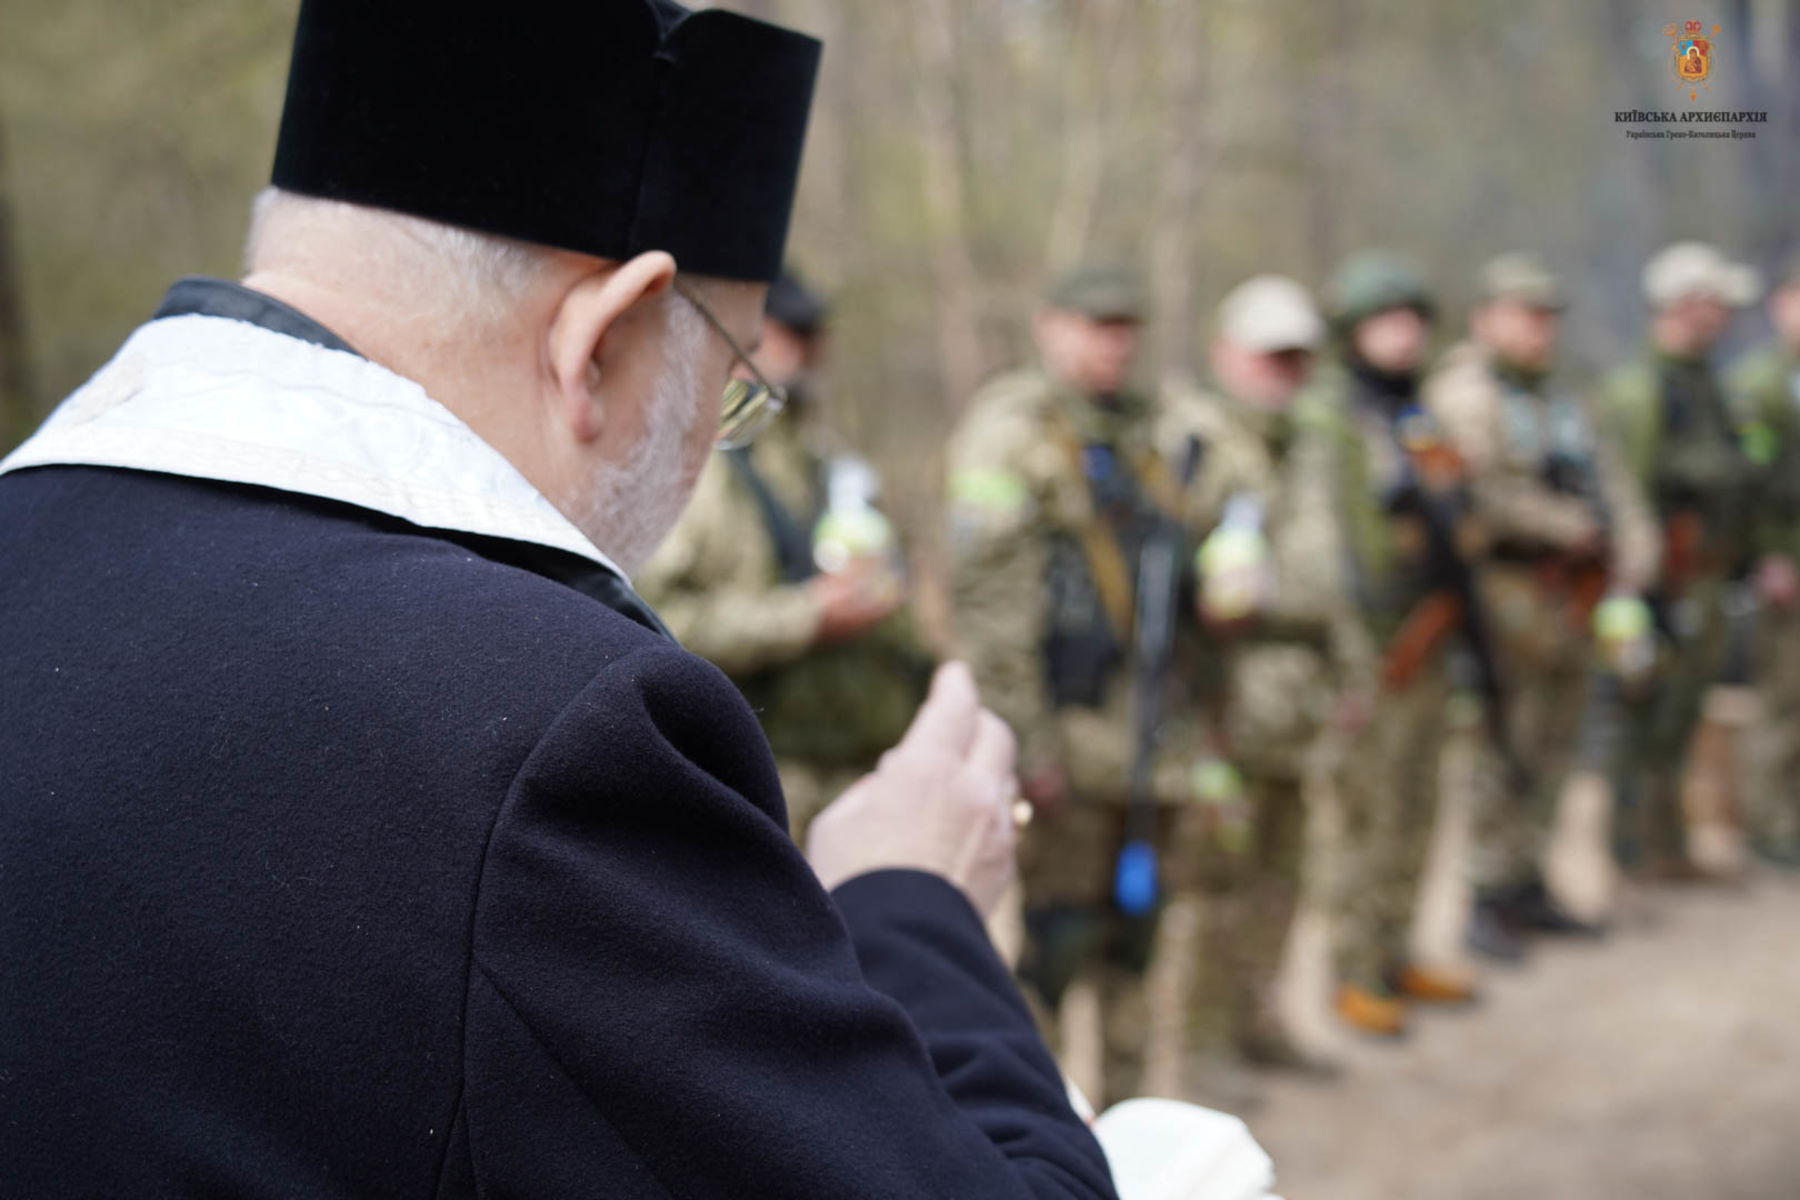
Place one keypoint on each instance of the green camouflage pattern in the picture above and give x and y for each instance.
(1388, 777)
(1510, 430)
(1708, 464)
(828, 711)
(1765, 392)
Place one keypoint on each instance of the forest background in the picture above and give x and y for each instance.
(960, 154)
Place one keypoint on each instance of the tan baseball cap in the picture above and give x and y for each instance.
(1522, 278)
(1697, 269)
(1270, 313)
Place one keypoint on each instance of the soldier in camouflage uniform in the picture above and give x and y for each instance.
(1560, 516)
(1670, 418)
(1292, 643)
(1765, 392)
(827, 658)
(1393, 472)
(1055, 475)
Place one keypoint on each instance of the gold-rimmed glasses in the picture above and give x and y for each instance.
(747, 405)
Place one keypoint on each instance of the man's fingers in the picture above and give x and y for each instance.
(946, 722)
(994, 751)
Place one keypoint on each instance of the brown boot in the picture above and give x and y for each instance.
(1434, 985)
(1369, 1012)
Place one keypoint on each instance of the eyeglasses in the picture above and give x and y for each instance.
(747, 405)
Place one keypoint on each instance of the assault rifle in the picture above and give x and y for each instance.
(1159, 582)
(1452, 602)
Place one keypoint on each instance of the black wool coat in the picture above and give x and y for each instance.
(340, 858)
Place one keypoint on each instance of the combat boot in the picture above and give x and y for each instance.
(1530, 908)
(1369, 1012)
(1491, 936)
(1436, 986)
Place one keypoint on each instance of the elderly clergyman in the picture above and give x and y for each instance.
(361, 834)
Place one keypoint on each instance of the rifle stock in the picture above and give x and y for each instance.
(1432, 620)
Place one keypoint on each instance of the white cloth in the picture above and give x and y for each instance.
(214, 398)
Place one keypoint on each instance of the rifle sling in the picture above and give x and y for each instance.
(791, 540)
(1106, 560)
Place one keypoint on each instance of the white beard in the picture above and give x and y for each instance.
(631, 506)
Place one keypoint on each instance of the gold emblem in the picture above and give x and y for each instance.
(1692, 53)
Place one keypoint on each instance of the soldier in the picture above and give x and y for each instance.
(1669, 416)
(774, 575)
(1272, 588)
(1557, 511)
(1057, 476)
(1765, 390)
(1400, 494)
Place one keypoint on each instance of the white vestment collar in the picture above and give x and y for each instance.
(214, 398)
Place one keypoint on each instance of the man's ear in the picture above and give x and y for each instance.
(577, 341)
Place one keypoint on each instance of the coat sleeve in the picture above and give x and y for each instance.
(663, 1002)
(998, 561)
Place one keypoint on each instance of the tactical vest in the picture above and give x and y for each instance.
(1769, 428)
(1699, 465)
(1550, 430)
(1091, 572)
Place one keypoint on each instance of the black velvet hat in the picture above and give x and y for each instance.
(607, 127)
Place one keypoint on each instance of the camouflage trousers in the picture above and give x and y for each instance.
(1774, 794)
(1550, 692)
(1247, 896)
(1073, 931)
(1660, 719)
(1389, 786)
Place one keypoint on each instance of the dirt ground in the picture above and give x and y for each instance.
(1662, 1063)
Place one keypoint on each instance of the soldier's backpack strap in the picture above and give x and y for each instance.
(792, 542)
(1106, 562)
(1158, 481)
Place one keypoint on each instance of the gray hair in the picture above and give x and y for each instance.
(455, 275)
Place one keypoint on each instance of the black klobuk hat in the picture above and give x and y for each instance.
(607, 127)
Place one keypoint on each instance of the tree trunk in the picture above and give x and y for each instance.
(945, 195)
(1184, 149)
(1086, 132)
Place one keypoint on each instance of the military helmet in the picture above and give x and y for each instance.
(1372, 282)
(1101, 291)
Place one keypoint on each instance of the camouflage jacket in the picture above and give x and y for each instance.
(1386, 546)
(1540, 476)
(1764, 391)
(1284, 674)
(1696, 464)
(1019, 497)
(718, 582)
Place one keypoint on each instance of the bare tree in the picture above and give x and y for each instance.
(945, 194)
(1184, 152)
(1089, 75)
